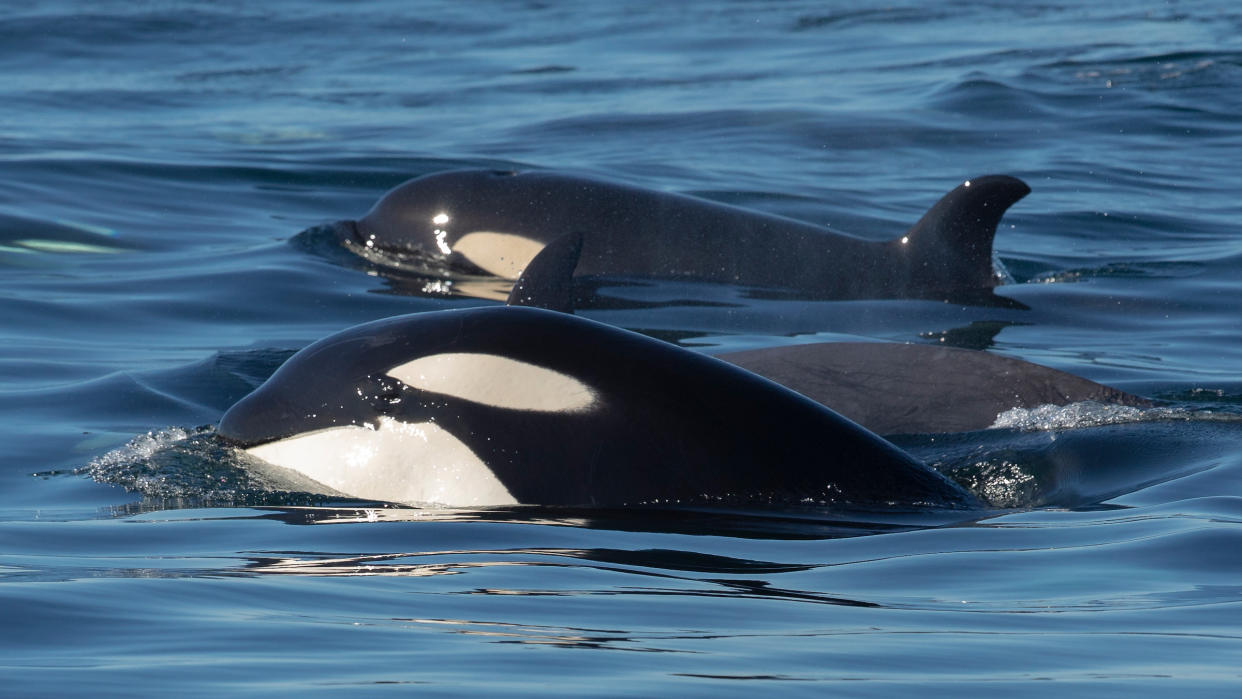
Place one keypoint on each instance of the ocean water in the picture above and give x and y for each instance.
(159, 156)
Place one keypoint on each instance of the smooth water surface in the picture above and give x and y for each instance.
(158, 157)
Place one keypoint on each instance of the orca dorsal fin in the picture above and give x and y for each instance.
(951, 246)
(548, 280)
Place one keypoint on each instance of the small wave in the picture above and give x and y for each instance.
(885, 16)
(193, 466)
(1093, 413)
(137, 465)
(141, 447)
(1224, 399)
(1122, 270)
(1049, 462)
(1002, 484)
(1180, 69)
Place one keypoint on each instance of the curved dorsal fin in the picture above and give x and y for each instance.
(951, 246)
(548, 280)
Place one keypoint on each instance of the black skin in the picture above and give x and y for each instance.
(893, 388)
(670, 425)
(635, 232)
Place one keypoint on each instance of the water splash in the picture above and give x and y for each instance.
(144, 446)
(1000, 483)
(194, 466)
(1093, 413)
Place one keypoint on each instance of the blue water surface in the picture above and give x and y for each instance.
(158, 158)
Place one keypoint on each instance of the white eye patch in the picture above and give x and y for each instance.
(502, 254)
(497, 381)
(412, 463)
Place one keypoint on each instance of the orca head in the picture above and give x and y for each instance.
(473, 219)
(400, 409)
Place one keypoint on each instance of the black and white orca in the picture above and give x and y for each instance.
(490, 222)
(510, 405)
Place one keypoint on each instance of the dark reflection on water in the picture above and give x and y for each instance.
(977, 335)
(647, 564)
(776, 523)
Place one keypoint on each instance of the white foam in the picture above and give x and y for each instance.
(127, 465)
(1088, 414)
(1000, 484)
(141, 447)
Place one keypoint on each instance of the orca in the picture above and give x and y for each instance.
(494, 222)
(887, 387)
(513, 405)
(894, 388)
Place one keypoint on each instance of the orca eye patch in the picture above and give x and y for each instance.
(497, 381)
(502, 254)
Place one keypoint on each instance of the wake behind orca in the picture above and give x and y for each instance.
(482, 221)
(504, 405)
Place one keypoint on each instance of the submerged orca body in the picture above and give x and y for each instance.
(496, 222)
(893, 388)
(886, 387)
(494, 406)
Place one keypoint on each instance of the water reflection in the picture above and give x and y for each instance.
(547, 635)
(784, 523)
(651, 566)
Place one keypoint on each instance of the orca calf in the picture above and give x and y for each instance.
(490, 222)
(504, 405)
(887, 387)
